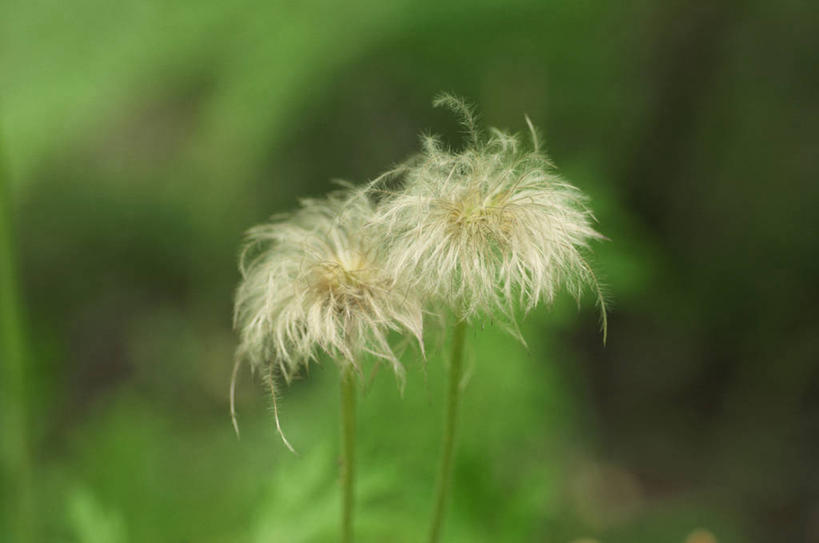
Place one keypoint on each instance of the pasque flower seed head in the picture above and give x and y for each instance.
(487, 228)
(315, 282)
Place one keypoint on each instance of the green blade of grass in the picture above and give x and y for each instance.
(14, 450)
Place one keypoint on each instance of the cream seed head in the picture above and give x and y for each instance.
(489, 227)
(315, 282)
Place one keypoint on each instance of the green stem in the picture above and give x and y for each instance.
(348, 392)
(450, 423)
(15, 465)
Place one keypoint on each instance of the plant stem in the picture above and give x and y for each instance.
(348, 392)
(15, 464)
(450, 423)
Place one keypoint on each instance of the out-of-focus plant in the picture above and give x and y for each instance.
(91, 521)
(14, 446)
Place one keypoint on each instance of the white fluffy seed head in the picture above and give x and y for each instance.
(314, 282)
(488, 228)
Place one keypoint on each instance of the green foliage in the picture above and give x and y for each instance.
(15, 462)
(90, 521)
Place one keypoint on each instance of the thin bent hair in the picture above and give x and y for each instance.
(533, 132)
(271, 384)
(464, 111)
(236, 363)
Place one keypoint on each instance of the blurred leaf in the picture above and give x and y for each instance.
(90, 521)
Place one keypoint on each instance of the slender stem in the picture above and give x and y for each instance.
(348, 392)
(15, 464)
(450, 423)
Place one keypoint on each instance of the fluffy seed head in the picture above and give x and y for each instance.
(489, 227)
(313, 282)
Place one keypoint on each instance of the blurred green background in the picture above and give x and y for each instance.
(140, 138)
